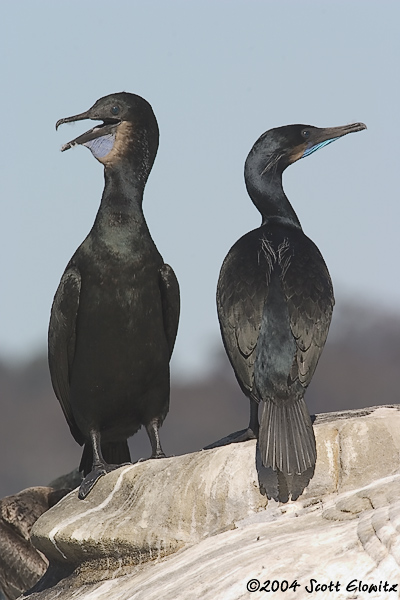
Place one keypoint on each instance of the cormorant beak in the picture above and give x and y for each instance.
(320, 137)
(108, 127)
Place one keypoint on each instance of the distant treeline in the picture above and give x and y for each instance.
(359, 367)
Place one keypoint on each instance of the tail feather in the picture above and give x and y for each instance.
(114, 453)
(286, 438)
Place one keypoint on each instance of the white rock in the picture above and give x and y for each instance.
(196, 526)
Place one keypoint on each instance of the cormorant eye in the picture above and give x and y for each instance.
(115, 110)
(305, 133)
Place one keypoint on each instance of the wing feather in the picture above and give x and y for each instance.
(241, 294)
(61, 341)
(309, 294)
(170, 298)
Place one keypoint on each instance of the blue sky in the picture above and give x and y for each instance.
(218, 74)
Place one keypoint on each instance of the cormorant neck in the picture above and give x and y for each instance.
(121, 202)
(126, 170)
(266, 191)
(123, 189)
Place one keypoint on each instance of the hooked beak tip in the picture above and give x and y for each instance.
(361, 126)
(61, 122)
(354, 127)
(80, 117)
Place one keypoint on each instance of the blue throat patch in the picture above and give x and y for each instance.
(309, 151)
(101, 146)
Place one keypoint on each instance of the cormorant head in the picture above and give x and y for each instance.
(129, 126)
(278, 148)
(275, 150)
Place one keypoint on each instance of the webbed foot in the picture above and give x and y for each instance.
(92, 478)
(156, 455)
(238, 436)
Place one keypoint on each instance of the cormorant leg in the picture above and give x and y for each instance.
(98, 460)
(152, 431)
(251, 433)
(254, 425)
(99, 466)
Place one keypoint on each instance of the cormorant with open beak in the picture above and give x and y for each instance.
(115, 314)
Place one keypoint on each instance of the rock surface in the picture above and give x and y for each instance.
(21, 565)
(197, 526)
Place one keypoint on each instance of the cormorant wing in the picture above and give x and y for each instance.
(241, 296)
(62, 337)
(169, 289)
(310, 300)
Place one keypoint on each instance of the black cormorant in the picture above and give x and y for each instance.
(115, 314)
(275, 302)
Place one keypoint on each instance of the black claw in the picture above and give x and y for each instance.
(239, 436)
(158, 455)
(90, 481)
(92, 478)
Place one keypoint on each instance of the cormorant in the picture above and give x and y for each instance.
(115, 314)
(275, 302)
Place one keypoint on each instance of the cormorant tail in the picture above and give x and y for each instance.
(115, 453)
(286, 438)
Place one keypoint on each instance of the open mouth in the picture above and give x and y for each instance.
(106, 130)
